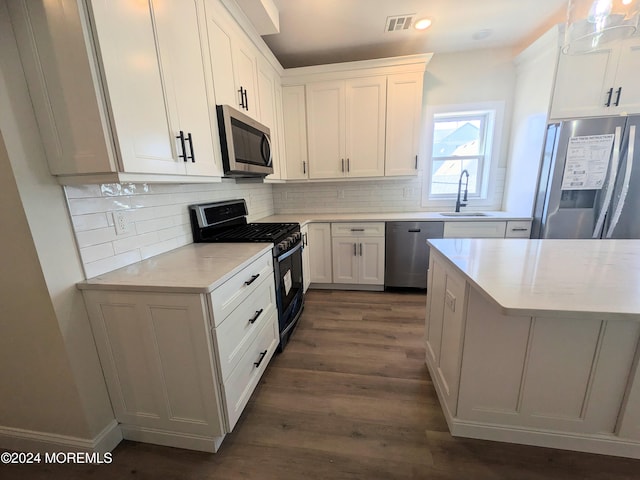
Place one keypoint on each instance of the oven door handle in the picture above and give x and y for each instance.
(290, 252)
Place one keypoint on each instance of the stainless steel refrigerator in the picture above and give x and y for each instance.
(589, 184)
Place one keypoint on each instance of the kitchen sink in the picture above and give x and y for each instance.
(464, 214)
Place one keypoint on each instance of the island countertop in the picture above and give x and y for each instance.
(562, 278)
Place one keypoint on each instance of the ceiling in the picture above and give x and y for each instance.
(315, 32)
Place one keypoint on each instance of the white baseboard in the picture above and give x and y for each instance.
(21, 440)
(347, 286)
(590, 443)
(171, 439)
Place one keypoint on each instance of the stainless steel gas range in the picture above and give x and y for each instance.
(227, 222)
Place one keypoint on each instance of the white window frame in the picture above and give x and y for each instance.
(494, 112)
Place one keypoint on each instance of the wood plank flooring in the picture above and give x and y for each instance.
(349, 398)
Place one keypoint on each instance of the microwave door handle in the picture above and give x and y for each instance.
(269, 158)
(597, 231)
(625, 184)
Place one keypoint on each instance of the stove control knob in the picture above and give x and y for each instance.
(296, 236)
(282, 246)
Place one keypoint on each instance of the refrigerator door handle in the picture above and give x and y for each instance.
(625, 185)
(612, 181)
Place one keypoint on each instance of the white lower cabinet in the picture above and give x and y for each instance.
(481, 229)
(176, 374)
(358, 253)
(319, 250)
(306, 259)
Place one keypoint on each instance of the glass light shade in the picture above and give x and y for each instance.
(592, 24)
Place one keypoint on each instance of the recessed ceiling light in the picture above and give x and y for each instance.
(482, 34)
(422, 24)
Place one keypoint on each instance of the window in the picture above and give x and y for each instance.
(461, 139)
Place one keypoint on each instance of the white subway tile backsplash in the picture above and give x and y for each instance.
(157, 215)
(96, 252)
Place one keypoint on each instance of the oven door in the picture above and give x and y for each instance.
(289, 296)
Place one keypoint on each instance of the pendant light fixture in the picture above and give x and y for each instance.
(592, 24)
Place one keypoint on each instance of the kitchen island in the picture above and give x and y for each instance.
(536, 341)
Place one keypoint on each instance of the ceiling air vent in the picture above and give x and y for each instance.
(399, 22)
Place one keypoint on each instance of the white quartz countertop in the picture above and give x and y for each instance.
(194, 268)
(563, 278)
(303, 218)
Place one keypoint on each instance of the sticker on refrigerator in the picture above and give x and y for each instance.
(287, 282)
(587, 162)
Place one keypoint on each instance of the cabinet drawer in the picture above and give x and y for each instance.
(364, 229)
(235, 334)
(234, 291)
(518, 229)
(244, 378)
(474, 229)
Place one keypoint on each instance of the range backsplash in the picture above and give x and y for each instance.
(156, 215)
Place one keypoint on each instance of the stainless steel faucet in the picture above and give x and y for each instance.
(466, 189)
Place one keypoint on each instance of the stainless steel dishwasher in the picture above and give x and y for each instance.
(407, 252)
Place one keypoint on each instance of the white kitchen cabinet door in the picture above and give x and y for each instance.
(581, 83)
(366, 100)
(153, 350)
(629, 423)
(371, 260)
(221, 54)
(180, 27)
(127, 45)
(268, 114)
(404, 119)
(326, 129)
(474, 229)
(626, 79)
(345, 260)
(245, 73)
(294, 113)
(319, 249)
(279, 163)
(306, 262)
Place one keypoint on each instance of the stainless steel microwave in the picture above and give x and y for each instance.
(245, 144)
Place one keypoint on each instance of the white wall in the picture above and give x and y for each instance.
(157, 215)
(51, 381)
(468, 77)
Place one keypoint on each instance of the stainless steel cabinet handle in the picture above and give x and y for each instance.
(305, 239)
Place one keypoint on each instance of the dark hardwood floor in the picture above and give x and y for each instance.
(350, 398)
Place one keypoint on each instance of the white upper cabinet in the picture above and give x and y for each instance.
(602, 82)
(146, 71)
(404, 120)
(234, 62)
(363, 119)
(326, 129)
(346, 125)
(295, 132)
(270, 96)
